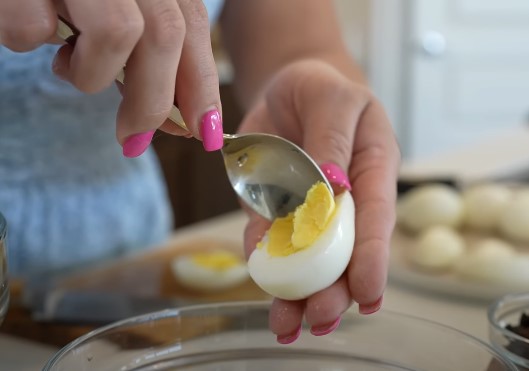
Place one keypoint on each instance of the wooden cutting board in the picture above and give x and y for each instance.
(146, 275)
(149, 275)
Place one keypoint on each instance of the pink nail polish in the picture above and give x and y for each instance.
(211, 131)
(289, 339)
(136, 144)
(325, 329)
(335, 175)
(370, 308)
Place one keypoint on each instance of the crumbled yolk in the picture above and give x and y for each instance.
(300, 229)
(217, 260)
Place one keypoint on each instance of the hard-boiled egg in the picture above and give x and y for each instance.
(484, 204)
(495, 261)
(429, 205)
(437, 248)
(308, 250)
(514, 221)
(210, 271)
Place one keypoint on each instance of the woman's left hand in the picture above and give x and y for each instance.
(346, 131)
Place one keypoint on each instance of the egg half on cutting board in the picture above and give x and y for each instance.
(210, 270)
(308, 250)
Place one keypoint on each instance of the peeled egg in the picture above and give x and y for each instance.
(484, 204)
(308, 250)
(495, 261)
(514, 221)
(429, 205)
(437, 248)
(210, 271)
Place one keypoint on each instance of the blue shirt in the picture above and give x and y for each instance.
(67, 192)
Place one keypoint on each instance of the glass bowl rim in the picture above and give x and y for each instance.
(167, 313)
(497, 305)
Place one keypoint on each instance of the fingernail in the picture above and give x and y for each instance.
(211, 131)
(289, 339)
(370, 308)
(325, 329)
(335, 175)
(136, 144)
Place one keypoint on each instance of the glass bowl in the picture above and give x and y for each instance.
(503, 315)
(235, 336)
(4, 287)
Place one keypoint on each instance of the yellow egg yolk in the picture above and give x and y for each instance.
(301, 228)
(217, 260)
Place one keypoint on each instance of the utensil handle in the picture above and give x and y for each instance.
(67, 32)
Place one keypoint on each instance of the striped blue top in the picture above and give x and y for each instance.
(67, 192)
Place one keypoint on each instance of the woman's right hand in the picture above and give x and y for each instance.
(165, 45)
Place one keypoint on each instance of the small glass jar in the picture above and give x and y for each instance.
(505, 315)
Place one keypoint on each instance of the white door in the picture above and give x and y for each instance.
(465, 66)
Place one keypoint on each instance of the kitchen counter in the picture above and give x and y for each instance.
(469, 317)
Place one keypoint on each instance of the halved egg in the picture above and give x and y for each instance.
(210, 271)
(308, 250)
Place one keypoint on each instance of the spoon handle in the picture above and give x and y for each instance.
(67, 32)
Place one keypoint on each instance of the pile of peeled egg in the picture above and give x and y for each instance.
(480, 233)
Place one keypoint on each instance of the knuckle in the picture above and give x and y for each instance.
(196, 14)
(352, 92)
(120, 30)
(167, 26)
(23, 36)
(336, 140)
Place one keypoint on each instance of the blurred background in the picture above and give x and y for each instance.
(451, 74)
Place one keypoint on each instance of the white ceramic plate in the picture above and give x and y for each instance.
(402, 272)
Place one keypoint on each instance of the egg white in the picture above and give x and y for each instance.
(201, 278)
(514, 221)
(437, 248)
(484, 204)
(299, 275)
(429, 205)
(496, 262)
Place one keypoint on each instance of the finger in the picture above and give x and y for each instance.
(330, 106)
(324, 309)
(149, 88)
(197, 84)
(285, 319)
(109, 30)
(258, 120)
(373, 174)
(26, 24)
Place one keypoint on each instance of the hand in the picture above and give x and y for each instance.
(155, 39)
(344, 128)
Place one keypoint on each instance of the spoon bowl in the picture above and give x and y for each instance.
(270, 174)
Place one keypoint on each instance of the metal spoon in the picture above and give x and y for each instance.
(271, 174)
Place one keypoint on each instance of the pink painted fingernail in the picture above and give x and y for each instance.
(211, 131)
(136, 144)
(289, 339)
(370, 308)
(325, 329)
(335, 175)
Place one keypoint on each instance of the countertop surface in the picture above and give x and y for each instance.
(466, 316)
